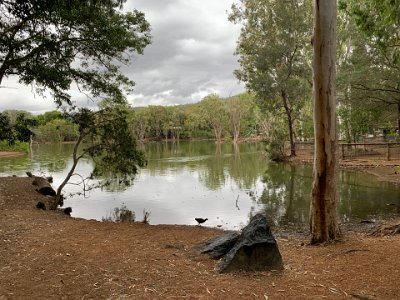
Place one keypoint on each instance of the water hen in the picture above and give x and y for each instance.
(200, 220)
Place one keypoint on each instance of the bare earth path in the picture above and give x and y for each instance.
(48, 255)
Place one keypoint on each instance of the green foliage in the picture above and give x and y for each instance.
(274, 53)
(214, 114)
(379, 21)
(16, 126)
(43, 119)
(275, 138)
(18, 146)
(368, 74)
(22, 128)
(54, 43)
(240, 109)
(57, 130)
(109, 142)
(106, 139)
(356, 122)
(6, 132)
(121, 215)
(273, 45)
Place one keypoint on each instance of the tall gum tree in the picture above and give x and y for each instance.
(323, 211)
(273, 50)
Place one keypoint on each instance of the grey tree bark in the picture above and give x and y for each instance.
(323, 211)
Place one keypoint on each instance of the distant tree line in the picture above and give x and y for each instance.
(231, 119)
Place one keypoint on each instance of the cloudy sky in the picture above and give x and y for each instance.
(191, 56)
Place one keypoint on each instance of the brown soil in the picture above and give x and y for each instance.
(11, 153)
(48, 255)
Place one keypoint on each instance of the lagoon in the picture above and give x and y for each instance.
(225, 183)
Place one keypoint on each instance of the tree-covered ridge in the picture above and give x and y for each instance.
(233, 119)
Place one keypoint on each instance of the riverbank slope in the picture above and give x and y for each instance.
(48, 255)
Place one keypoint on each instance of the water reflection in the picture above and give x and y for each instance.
(223, 183)
(287, 193)
(50, 158)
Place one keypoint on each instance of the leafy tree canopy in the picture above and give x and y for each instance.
(379, 20)
(54, 43)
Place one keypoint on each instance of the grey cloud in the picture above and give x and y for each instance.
(191, 54)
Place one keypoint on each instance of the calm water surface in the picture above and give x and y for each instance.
(225, 184)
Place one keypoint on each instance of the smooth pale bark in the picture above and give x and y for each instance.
(323, 211)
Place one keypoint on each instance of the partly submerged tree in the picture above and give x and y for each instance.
(323, 208)
(273, 50)
(53, 44)
(105, 137)
(239, 108)
(214, 113)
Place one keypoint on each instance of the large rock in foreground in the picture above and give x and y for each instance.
(217, 247)
(255, 249)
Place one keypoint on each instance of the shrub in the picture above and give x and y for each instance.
(16, 146)
(120, 215)
(275, 144)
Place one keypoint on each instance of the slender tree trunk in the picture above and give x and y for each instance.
(323, 211)
(75, 159)
(218, 133)
(290, 123)
(236, 132)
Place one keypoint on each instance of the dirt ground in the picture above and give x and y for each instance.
(48, 255)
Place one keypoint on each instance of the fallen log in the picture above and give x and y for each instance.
(43, 186)
(386, 230)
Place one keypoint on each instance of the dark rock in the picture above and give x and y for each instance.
(43, 186)
(255, 250)
(41, 205)
(68, 211)
(217, 247)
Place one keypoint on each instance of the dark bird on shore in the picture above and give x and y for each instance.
(200, 220)
(68, 211)
(41, 205)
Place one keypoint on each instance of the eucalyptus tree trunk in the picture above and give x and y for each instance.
(323, 211)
